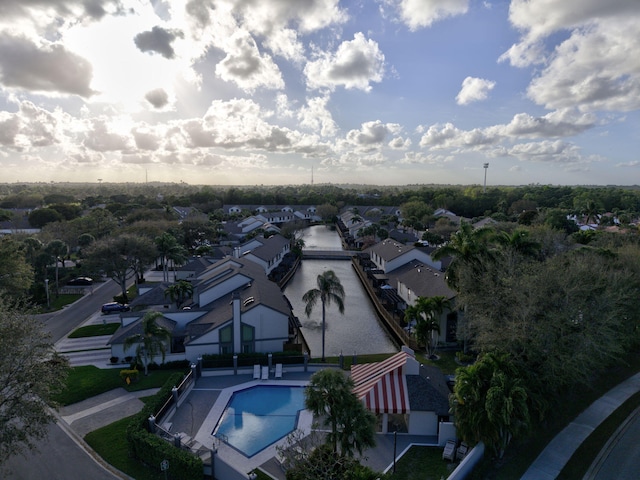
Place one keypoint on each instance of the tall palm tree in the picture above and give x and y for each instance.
(169, 249)
(58, 250)
(330, 396)
(427, 312)
(466, 246)
(179, 292)
(329, 290)
(151, 342)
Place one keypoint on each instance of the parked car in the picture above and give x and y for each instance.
(80, 281)
(114, 307)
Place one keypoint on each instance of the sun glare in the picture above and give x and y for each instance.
(122, 74)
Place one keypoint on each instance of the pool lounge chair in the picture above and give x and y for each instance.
(278, 370)
(449, 451)
(265, 373)
(256, 372)
(462, 451)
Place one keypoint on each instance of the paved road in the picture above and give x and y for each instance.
(64, 455)
(66, 320)
(620, 457)
(59, 457)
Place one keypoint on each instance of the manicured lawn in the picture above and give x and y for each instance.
(95, 330)
(422, 463)
(63, 299)
(88, 381)
(111, 444)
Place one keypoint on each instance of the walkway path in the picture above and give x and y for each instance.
(554, 457)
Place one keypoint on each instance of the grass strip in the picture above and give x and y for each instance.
(95, 330)
(88, 381)
(110, 442)
(421, 463)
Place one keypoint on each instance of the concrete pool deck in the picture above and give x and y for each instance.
(199, 413)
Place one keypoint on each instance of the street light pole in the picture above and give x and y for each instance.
(484, 189)
(46, 287)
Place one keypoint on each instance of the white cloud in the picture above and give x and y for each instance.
(355, 64)
(473, 90)
(46, 68)
(593, 70)
(422, 13)
(317, 117)
(247, 67)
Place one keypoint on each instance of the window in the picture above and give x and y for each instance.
(248, 339)
(226, 340)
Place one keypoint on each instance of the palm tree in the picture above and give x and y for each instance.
(169, 249)
(179, 292)
(466, 246)
(329, 290)
(58, 250)
(330, 396)
(490, 402)
(427, 312)
(151, 342)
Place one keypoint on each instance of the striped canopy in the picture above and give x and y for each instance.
(382, 386)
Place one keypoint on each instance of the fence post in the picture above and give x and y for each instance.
(152, 424)
(176, 440)
(354, 360)
(235, 364)
(306, 361)
(199, 364)
(194, 372)
(270, 360)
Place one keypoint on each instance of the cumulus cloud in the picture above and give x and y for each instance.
(372, 134)
(562, 123)
(591, 69)
(158, 40)
(158, 97)
(247, 67)
(473, 90)
(49, 68)
(422, 13)
(548, 152)
(317, 117)
(355, 64)
(102, 138)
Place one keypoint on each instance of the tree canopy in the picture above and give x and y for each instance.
(31, 373)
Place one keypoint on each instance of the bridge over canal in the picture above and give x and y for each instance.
(310, 254)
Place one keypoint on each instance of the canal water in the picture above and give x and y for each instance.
(358, 330)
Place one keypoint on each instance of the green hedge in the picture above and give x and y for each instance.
(151, 449)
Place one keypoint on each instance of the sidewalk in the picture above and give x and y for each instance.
(104, 409)
(554, 457)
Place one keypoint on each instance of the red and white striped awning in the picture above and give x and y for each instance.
(382, 386)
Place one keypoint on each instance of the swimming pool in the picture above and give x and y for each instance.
(259, 416)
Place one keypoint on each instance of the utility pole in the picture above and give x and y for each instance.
(484, 189)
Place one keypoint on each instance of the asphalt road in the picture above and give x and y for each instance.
(68, 319)
(59, 457)
(63, 455)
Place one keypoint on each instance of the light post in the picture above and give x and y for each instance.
(46, 287)
(484, 189)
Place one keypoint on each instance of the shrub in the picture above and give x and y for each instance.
(132, 375)
(114, 359)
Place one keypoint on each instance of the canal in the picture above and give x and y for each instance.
(357, 331)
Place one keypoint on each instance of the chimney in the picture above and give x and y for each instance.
(237, 330)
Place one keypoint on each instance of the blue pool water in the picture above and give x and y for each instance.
(259, 416)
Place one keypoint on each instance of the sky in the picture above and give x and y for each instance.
(275, 92)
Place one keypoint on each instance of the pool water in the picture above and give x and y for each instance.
(258, 416)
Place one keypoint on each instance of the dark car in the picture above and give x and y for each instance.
(114, 307)
(80, 281)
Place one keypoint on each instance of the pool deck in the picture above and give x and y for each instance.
(199, 413)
